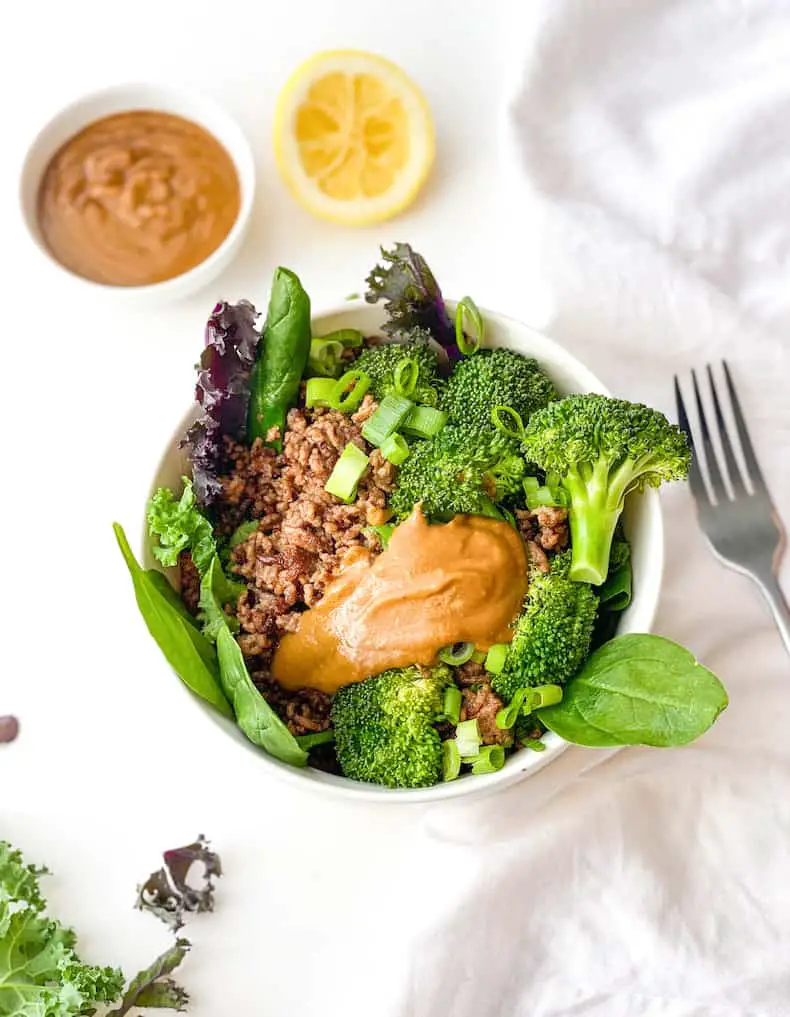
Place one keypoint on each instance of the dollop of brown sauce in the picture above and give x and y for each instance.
(137, 198)
(435, 585)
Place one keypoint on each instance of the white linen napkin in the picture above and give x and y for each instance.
(649, 148)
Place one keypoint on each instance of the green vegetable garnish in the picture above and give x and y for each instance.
(186, 649)
(467, 734)
(395, 449)
(467, 310)
(282, 357)
(424, 421)
(180, 526)
(489, 759)
(325, 359)
(495, 658)
(254, 716)
(350, 391)
(451, 759)
(347, 473)
(458, 653)
(451, 705)
(389, 416)
(320, 392)
(244, 532)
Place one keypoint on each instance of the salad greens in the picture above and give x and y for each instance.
(638, 690)
(223, 391)
(282, 356)
(186, 649)
(152, 986)
(254, 716)
(180, 526)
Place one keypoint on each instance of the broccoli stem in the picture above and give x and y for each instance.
(594, 511)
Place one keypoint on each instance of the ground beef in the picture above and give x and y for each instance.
(547, 527)
(189, 580)
(537, 557)
(305, 534)
(471, 673)
(304, 711)
(482, 703)
(552, 527)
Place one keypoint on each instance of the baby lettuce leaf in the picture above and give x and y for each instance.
(180, 526)
(186, 649)
(282, 358)
(412, 298)
(41, 974)
(223, 391)
(254, 716)
(638, 690)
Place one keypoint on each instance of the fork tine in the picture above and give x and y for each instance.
(736, 477)
(696, 483)
(752, 466)
(714, 473)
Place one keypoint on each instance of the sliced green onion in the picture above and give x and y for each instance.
(615, 594)
(546, 695)
(539, 495)
(490, 758)
(383, 532)
(394, 449)
(479, 656)
(348, 471)
(535, 744)
(531, 486)
(495, 658)
(320, 392)
(467, 309)
(451, 707)
(405, 377)
(350, 391)
(451, 759)
(310, 741)
(456, 654)
(508, 421)
(324, 359)
(391, 412)
(508, 715)
(424, 421)
(467, 734)
(351, 338)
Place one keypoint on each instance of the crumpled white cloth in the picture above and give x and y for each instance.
(648, 143)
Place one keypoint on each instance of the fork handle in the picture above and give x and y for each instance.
(772, 592)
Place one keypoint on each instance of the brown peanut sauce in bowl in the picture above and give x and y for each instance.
(137, 198)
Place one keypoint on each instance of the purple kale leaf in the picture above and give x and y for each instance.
(412, 297)
(223, 391)
(169, 895)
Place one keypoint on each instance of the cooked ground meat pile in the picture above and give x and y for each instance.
(304, 532)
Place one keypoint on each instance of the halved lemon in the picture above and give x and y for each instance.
(353, 137)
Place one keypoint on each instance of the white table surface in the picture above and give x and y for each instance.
(111, 765)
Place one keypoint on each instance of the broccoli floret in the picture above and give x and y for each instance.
(492, 378)
(461, 470)
(380, 363)
(600, 450)
(553, 633)
(385, 729)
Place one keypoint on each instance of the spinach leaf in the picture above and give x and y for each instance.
(640, 690)
(254, 716)
(282, 357)
(214, 595)
(615, 594)
(242, 532)
(187, 651)
(565, 720)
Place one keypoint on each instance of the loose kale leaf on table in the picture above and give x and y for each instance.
(168, 895)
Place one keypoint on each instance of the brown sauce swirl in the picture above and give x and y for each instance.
(435, 585)
(137, 198)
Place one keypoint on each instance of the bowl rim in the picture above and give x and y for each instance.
(239, 151)
(482, 784)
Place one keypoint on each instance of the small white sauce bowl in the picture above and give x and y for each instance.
(163, 99)
(643, 526)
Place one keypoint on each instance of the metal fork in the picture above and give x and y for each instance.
(743, 528)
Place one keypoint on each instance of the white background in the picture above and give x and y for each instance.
(321, 898)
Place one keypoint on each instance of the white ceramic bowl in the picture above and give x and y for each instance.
(162, 98)
(643, 527)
